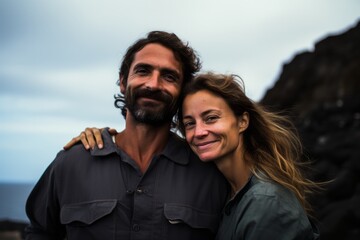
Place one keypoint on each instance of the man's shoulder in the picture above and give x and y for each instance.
(179, 151)
(175, 139)
(76, 153)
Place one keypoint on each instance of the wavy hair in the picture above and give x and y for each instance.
(271, 142)
(186, 55)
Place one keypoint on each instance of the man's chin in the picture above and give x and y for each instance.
(153, 117)
(156, 122)
(153, 111)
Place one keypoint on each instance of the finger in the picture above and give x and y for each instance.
(88, 138)
(84, 140)
(72, 143)
(98, 137)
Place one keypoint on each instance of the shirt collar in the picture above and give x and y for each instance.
(109, 145)
(239, 194)
(176, 149)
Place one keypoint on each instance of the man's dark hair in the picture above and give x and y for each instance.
(187, 57)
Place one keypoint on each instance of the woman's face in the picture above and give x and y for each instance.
(211, 128)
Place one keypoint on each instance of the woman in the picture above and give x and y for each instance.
(259, 154)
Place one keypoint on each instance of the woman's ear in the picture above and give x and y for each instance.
(244, 120)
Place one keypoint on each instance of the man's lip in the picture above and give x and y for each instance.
(150, 99)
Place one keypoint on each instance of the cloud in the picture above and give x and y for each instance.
(59, 59)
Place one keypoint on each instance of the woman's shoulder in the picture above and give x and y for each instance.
(267, 190)
(269, 203)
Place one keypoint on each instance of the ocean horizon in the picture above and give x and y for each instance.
(12, 200)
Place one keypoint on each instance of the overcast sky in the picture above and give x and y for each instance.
(59, 59)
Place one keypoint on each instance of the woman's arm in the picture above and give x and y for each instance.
(89, 138)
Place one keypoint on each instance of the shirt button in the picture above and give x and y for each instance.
(136, 227)
(139, 190)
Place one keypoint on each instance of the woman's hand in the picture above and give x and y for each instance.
(89, 137)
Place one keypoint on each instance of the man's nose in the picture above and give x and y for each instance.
(154, 81)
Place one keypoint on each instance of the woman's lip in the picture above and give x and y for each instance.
(203, 145)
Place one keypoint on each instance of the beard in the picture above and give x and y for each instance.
(151, 113)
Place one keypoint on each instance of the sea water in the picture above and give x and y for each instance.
(12, 200)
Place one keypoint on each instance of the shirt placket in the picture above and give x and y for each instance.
(142, 221)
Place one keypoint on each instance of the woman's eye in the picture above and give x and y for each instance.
(170, 77)
(211, 119)
(188, 125)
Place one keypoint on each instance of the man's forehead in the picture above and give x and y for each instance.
(157, 55)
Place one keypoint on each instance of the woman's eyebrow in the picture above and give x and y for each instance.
(203, 114)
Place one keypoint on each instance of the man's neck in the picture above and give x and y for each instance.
(142, 142)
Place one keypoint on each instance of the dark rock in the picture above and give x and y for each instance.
(322, 96)
(12, 230)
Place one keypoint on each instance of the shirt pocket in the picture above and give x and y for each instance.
(89, 220)
(195, 218)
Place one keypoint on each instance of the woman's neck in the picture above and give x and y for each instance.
(236, 171)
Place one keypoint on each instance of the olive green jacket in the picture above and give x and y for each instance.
(265, 210)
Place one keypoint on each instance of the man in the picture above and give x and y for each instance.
(145, 183)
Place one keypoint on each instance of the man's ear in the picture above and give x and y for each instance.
(244, 120)
(122, 84)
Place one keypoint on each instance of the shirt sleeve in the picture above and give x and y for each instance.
(42, 208)
(273, 217)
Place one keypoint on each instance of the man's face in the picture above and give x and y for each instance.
(153, 85)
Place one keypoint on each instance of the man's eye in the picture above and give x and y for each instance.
(141, 71)
(170, 77)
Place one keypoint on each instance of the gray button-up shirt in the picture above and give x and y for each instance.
(102, 194)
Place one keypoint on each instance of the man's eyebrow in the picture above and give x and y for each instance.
(145, 65)
(163, 69)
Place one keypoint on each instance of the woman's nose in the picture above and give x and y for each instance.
(200, 130)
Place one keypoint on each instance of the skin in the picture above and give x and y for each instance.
(215, 134)
(153, 85)
(154, 68)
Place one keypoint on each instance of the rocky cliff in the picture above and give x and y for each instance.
(321, 92)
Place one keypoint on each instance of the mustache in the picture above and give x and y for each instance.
(153, 94)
